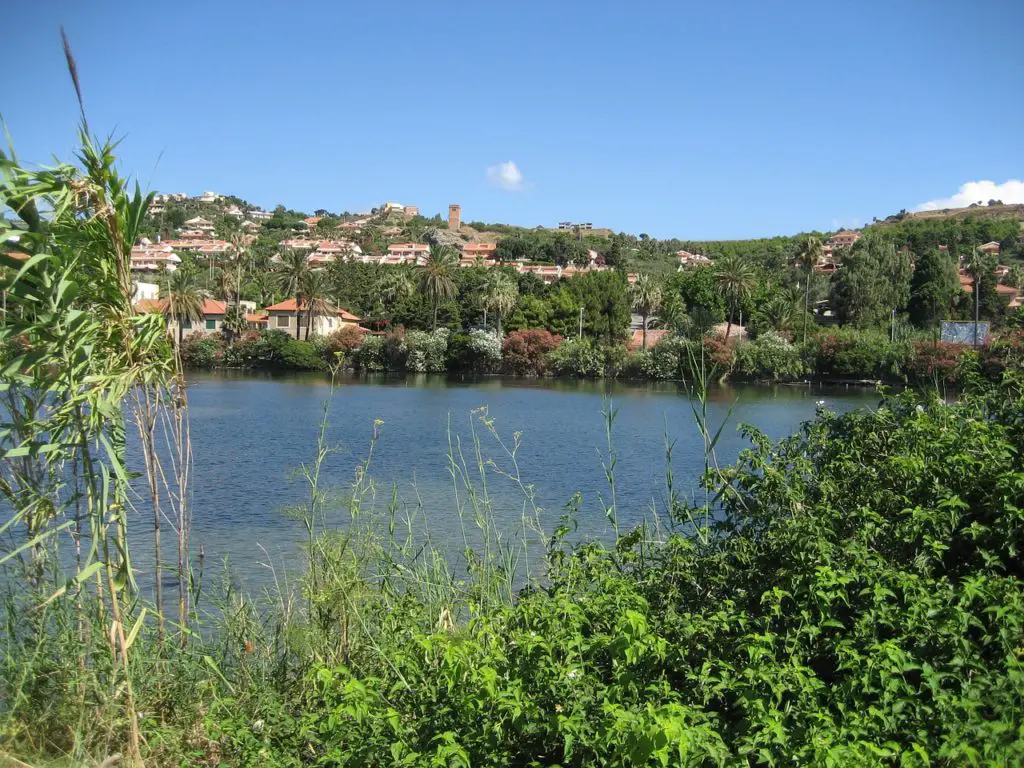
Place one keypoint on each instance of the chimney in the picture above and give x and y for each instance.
(454, 217)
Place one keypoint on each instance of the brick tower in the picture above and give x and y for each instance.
(454, 217)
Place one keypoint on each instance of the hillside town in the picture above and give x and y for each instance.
(346, 241)
(197, 237)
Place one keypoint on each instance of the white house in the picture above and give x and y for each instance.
(153, 258)
(200, 224)
(258, 215)
(208, 197)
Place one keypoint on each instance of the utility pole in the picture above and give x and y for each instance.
(581, 322)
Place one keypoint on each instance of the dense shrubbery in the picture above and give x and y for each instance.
(833, 354)
(524, 353)
(412, 351)
(478, 351)
(850, 354)
(770, 357)
(580, 358)
(199, 350)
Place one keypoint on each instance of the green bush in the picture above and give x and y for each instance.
(276, 350)
(576, 357)
(426, 352)
(198, 350)
(370, 356)
(478, 351)
(770, 357)
(854, 354)
(671, 359)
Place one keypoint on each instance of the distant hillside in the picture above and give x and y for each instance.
(1010, 211)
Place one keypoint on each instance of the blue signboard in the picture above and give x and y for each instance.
(963, 332)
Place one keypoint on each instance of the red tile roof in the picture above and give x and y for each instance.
(210, 306)
(289, 305)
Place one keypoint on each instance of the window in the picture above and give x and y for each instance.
(283, 321)
(211, 325)
(186, 324)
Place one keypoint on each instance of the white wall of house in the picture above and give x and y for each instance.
(145, 291)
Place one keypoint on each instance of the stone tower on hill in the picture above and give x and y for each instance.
(454, 217)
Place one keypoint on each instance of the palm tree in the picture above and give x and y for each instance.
(315, 287)
(234, 321)
(291, 276)
(395, 285)
(500, 294)
(185, 299)
(810, 253)
(737, 280)
(645, 297)
(436, 281)
(779, 312)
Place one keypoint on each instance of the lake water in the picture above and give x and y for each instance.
(251, 432)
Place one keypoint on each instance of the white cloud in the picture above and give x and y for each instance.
(1010, 191)
(506, 175)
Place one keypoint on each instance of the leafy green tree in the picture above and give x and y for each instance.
(532, 313)
(873, 283)
(292, 272)
(436, 279)
(737, 280)
(563, 310)
(645, 295)
(810, 253)
(934, 287)
(605, 302)
(698, 288)
(1015, 278)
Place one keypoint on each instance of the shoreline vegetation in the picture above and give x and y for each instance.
(852, 595)
(842, 356)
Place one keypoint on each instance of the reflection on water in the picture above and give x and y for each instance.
(250, 432)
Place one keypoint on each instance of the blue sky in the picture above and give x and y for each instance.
(711, 120)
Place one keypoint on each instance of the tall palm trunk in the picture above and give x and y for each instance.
(436, 304)
(807, 298)
(644, 316)
(498, 313)
(977, 298)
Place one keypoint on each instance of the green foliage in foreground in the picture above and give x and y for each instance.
(861, 602)
(856, 599)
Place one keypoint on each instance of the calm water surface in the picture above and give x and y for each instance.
(250, 433)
